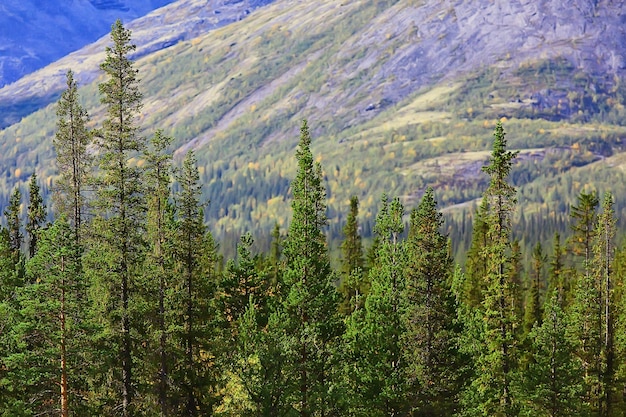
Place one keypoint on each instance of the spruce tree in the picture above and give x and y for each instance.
(117, 247)
(73, 161)
(533, 310)
(158, 262)
(602, 263)
(49, 331)
(556, 271)
(431, 334)
(36, 215)
(352, 262)
(374, 334)
(14, 224)
(195, 257)
(312, 300)
(496, 362)
(553, 383)
(584, 216)
(476, 263)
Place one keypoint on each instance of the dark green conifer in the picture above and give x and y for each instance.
(312, 300)
(73, 161)
(36, 215)
(352, 262)
(117, 247)
(430, 340)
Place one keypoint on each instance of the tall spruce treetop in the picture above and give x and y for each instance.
(73, 161)
(312, 300)
(121, 207)
(584, 215)
(497, 360)
(430, 338)
(120, 93)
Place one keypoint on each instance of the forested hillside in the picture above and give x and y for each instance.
(115, 301)
(402, 95)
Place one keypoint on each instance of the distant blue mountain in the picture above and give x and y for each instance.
(34, 33)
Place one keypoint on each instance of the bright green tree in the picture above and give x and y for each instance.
(312, 299)
(496, 362)
(553, 383)
(48, 335)
(158, 263)
(476, 263)
(533, 309)
(14, 225)
(376, 368)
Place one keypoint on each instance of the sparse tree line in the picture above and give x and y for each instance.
(121, 306)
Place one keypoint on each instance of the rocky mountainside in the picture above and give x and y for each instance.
(160, 29)
(35, 33)
(400, 95)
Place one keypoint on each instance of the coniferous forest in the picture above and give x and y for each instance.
(123, 306)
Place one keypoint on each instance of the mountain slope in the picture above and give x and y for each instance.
(35, 33)
(399, 95)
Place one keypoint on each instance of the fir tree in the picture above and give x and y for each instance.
(602, 261)
(431, 335)
(553, 383)
(374, 333)
(533, 310)
(497, 361)
(36, 215)
(73, 161)
(476, 263)
(352, 262)
(556, 271)
(158, 262)
(584, 216)
(49, 333)
(312, 300)
(195, 256)
(117, 247)
(14, 225)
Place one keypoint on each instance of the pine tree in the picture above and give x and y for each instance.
(72, 158)
(374, 334)
(312, 300)
(431, 335)
(195, 256)
(117, 247)
(352, 262)
(36, 215)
